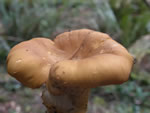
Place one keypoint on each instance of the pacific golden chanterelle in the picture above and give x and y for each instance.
(69, 67)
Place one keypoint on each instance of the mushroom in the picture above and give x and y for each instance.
(70, 66)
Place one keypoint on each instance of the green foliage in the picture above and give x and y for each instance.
(133, 17)
(4, 48)
(126, 20)
(108, 21)
(133, 95)
(32, 18)
(26, 19)
(3, 55)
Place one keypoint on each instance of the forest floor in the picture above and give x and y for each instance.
(15, 98)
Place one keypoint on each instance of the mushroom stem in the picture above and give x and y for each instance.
(72, 101)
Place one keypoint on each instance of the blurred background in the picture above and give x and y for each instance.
(127, 21)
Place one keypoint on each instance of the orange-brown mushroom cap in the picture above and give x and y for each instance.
(97, 60)
(29, 62)
(82, 58)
